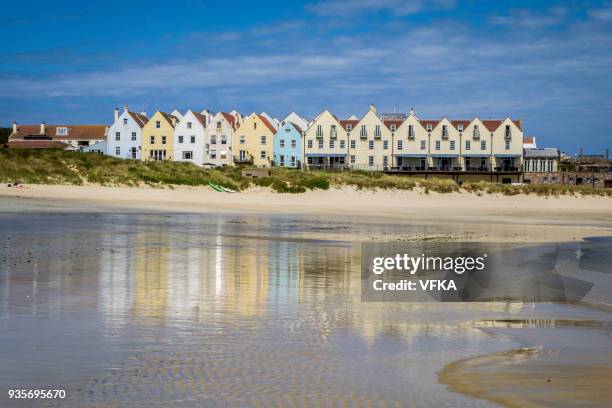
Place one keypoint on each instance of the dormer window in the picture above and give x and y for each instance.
(393, 127)
(349, 127)
(429, 128)
(460, 128)
(61, 131)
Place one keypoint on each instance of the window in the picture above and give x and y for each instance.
(287, 129)
(152, 139)
(188, 125)
(507, 145)
(400, 145)
(242, 139)
(452, 145)
(117, 151)
(282, 143)
(437, 145)
(309, 160)
(363, 132)
(352, 159)
(370, 161)
(410, 132)
(61, 131)
(294, 144)
(213, 139)
(192, 139)
(352, 144)
(125, 121)
(309, 144)
(262, 154)
(393, 127)
(377, 131)
(460, 128)
(133, 136)
(385, 145)
(342, 144)
(213, 154)
(282, 160)
(158, 124)
(262, 140)
(187, 155)
(223, 139)
(118, 136)
(468, 145)
(163, 139)
(218, 124)
(332, 144)
(320, 143)
(319, 131)
(180, 139)
(292, 161)
(349, 127)
(476, 133)
(483, 145)
(429, 128)
(254, 125)
(423, 145)
(385, 161)
(444, 131)
(371, 144)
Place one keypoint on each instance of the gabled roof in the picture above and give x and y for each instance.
(169, 118)
(267, 123)
(491, 125)
(296, 127)
(37, 144)
(201, 118)
(140, 119)
(75, 132)
(550, 152)
(344, 123)
(431, 122)
(230, 118)
(396, 122)
(463, 122)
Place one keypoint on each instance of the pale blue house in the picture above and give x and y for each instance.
(288, 146)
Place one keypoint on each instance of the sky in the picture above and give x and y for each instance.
(548, 63)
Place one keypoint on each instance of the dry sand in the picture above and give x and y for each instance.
(460, 216)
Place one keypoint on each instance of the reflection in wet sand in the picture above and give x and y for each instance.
(147, 311)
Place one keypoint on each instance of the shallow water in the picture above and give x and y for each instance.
(184, 310)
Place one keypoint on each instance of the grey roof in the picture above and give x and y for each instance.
(547, 152)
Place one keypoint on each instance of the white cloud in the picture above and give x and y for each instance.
(601, 14)
(396, 7)
(527, 19)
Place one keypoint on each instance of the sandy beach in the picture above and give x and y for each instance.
(463, 216)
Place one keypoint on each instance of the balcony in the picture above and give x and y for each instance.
(445, 136)
(243, 158)
(377, 135)
(363, 135)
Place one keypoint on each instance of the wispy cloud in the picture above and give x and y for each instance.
(395, 7)
(532, 20)
(602, 13)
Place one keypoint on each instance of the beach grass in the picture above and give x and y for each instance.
(61, 167)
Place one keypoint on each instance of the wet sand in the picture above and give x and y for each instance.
(443, 217)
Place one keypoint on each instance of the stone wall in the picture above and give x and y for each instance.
(570, 178)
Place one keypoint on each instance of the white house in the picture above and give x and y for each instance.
(124, 138)
(219, 139)
(296, 119)
(189, 138)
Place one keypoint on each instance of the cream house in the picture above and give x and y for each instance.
(158, 137)
(220, 139)
(326, 143)
(254, 141)
(370, 143)
(507, 144)
(411, 145)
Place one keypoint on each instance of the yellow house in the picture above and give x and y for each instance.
(253, 141)
(158, 137)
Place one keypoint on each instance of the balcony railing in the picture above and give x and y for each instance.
(247, 158)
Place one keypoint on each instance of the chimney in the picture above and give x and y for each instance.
(411, 111)
(15, 126)
(373, 107)
(126, 108)
(43, 128)
(144, 113)
(581, 152)
(116, 114)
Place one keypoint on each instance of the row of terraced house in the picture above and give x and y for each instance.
(396, 142)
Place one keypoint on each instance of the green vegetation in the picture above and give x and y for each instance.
(60, 167)
(4, 135)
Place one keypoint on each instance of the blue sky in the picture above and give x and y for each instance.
(547, 62)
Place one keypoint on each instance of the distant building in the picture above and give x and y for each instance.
(66, 137)
(255, 141)
(158, 137)
(529, 142)
(125, 134)
(541, 160)
(189, 138)
(288, 146)
(220, 139)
